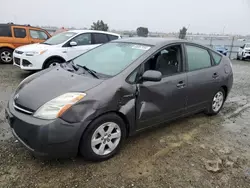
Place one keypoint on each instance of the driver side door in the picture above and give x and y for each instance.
(161, 101)
(84, 43)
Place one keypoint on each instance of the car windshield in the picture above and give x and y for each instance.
(247, 45)
(59, 38)
(111, 58)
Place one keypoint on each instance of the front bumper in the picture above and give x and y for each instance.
(50, 138)
(246, 55)
(28, 62)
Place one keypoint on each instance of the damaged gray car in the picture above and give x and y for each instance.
(92, 103)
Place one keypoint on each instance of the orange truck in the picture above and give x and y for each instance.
(13, 36)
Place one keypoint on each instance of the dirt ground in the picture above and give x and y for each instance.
(198, 151)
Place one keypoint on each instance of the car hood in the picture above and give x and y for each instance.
(40, 88)
(35, 47)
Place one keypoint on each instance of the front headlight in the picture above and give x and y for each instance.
(32, 53)
(57, 106)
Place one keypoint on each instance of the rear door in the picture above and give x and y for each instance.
(20, 36)
(203, 77)
(37, 36)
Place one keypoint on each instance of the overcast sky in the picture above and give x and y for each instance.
(208, 16)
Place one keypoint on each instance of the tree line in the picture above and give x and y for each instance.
(141, 31)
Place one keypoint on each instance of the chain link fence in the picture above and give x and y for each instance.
(230, 44)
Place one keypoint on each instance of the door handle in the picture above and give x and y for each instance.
(215, 75)
(181, 84)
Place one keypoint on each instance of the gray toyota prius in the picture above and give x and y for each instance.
(91, 104)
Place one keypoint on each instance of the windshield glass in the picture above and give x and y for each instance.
(247, 45)
(111, 58)
(59, 38)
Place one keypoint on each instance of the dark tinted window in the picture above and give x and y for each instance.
(112, 37)
(198, 58)
(5, 31)
(19, 32)
(217, 58)
(100, 38)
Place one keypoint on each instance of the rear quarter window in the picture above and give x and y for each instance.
(217, 58)
(113, 37)
(5, 31)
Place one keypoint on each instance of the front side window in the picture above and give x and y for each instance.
(19, 32)
(168, 61)
(100, 38)
(111, 58)
(83, 39)
(198, 58)
(5, 31)
(35, 34)
(60, 38)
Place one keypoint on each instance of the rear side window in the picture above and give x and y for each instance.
(100, 38)
(217, 58)
(112, 37)
(35, 34)
(5, 31)
(19, 32)
(198, 58)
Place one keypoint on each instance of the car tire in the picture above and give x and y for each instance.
(52, 62)
(6, 55)
(103, 138)
(216, 103)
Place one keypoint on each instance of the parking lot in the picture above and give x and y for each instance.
(197, 151)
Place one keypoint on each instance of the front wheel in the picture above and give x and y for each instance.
(52, 63)
(6, 55)
(103, 138)
(217, 103)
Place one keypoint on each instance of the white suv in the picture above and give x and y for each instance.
(59, 48)
(244, 52)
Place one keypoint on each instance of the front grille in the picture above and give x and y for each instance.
(17, 60)
(22, 109)
(18, 52)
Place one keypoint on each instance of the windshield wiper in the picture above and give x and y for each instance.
(92, 72)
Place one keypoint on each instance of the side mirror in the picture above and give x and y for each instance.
(73, 43)
(152, 76)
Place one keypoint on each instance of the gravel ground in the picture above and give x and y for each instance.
(197, 151)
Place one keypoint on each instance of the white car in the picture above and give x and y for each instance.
(59, 48)
(244, 52)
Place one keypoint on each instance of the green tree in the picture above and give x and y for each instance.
(99, 25)
(142, 31)
(183, 33)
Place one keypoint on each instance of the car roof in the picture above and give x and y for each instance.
(29, 26)
(152, 41)
(78, 31)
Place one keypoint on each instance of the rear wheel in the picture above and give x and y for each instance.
(6, 55)
(103, 138)
(53, 62)
(216, 103)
